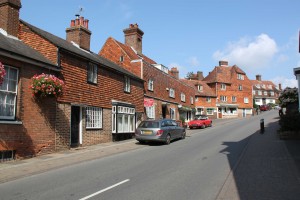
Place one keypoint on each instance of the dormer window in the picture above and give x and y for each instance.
(240, 76)
(200, 88)
(121, 58)
(257, 85)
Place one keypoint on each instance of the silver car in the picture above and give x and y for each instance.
(163, 130)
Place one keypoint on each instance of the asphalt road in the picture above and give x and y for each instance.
(195, 168)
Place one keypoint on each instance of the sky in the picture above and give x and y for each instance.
(259, 36)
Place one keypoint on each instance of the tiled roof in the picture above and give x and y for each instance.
(223, 74)
(13, 46)
(207, 91)
(133, 56)
(59, 42)
(266, 83)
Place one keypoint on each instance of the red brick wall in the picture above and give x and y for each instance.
(110, 85)
(36, 134)
(112, 51)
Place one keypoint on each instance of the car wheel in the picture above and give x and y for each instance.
(191, 127)
(168, 139)
(183, 135)
(203, 126)
(142, 142)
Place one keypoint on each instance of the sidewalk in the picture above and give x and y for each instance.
(265, 171)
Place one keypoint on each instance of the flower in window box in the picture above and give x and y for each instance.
(46, 85)
(2, 73)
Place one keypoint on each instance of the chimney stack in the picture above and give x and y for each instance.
(134, 37)
(279, 86)
(200, 75)
(9, 16)
(174, 72)
(258, 77)
(79, 32)
(223, 63)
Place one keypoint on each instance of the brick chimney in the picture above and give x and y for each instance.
(258, 77)
(200, 75)
(279, 86)
(134, 37)
(174, 72)
(9, 16)
(79, 32)
(223, 63)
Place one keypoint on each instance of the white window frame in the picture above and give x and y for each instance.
(200, 88)
(223, 86)
(210, 111)
(240, 87)
(253, 92)
(223, 98)
(208, 99)
(150, 84)
(94, 117)
(172, 93)
(233, 98)
(6, 90)
(150, 112)
(123, 119)
(259, 92)
(126, 84)
(192, 100)
(246, 100)
(272, 93)
(265, 93)
(92, 71)
(240, 76)
(182, 97)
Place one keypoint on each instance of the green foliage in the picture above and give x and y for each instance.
(288, 96)
(189, 75)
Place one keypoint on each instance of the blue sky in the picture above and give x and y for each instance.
(259, 36)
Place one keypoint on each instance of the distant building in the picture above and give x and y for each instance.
(265, 92)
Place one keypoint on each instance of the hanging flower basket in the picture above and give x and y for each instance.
(2, 73)
(46, 85)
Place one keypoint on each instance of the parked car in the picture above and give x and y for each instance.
(200, 121)
(163, 130)
(264, 108)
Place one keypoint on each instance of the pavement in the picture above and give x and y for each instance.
(268, 169)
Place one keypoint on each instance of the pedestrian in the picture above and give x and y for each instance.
(256, 110)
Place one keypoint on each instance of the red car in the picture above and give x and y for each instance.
(264, 108)
(200, 121)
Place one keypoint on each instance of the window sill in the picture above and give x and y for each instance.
(11, 122)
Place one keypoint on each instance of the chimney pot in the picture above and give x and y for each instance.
(223, 63)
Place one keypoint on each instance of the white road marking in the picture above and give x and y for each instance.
(101, 191)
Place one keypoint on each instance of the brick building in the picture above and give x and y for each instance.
(166, 96)
(265, 92)
(205, 97)
(233, 90)
(100, 102)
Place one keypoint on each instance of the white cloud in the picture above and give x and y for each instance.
(249, 53)
(193, 61)
(285, 82)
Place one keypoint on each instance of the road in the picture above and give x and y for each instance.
(194, 168)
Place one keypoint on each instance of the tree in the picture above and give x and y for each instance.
(288, 96)
(189, 75)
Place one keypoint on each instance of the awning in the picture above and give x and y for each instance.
(184, 108)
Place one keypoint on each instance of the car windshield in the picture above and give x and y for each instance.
(149, 124)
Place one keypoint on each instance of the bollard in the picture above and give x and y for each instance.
(262, 126)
